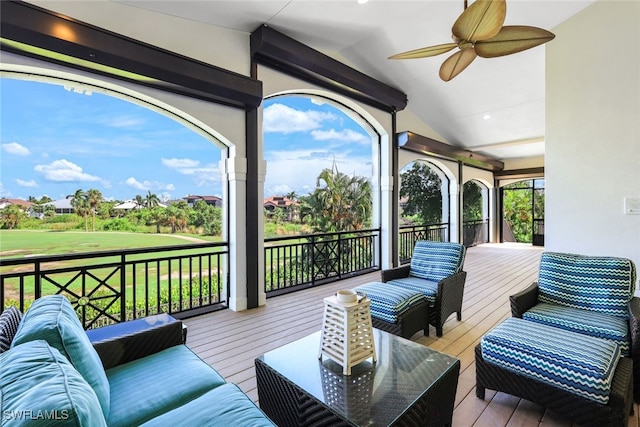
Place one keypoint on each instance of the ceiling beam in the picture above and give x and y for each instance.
(272, 48)
(39, 33)
(424, 145)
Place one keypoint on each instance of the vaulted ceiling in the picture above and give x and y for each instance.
(496, 106)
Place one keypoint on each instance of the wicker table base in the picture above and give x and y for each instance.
(582, 411)
(409, 385)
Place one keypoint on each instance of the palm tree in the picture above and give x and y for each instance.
(80, 205)
(152, 200)
(139, 201)
(94, 198)
(340, 202)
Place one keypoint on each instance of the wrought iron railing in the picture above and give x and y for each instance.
(475, 232)
(113, 286)
(297, 262)
(409, 234)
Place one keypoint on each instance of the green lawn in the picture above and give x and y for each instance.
(159, 275)
(20, 243)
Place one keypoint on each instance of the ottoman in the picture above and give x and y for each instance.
(580, 377)
(397, 310)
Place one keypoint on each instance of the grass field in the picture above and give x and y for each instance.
(149, 279)
(20, 243)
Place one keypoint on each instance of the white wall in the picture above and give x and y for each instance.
(593, 131)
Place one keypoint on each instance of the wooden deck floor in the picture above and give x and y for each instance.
(230, 341)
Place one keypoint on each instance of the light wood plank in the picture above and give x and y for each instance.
(230, 341)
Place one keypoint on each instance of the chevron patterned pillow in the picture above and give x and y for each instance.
(602, 284)
(436, 260)
(9, 321)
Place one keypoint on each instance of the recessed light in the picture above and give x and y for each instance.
(486, 116)
(362, 1)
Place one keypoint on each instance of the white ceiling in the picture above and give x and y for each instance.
(510, 89)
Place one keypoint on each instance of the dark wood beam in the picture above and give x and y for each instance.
(424, 145)
(526, 173)
(36, 32)
(272, 48)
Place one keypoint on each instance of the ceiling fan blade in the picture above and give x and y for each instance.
(513, 39)
(480, 21)
(425, 51)
(457, 62)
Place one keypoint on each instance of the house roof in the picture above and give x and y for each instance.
(279, 201)
(4, 202)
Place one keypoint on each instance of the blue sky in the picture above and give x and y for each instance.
(54, 141)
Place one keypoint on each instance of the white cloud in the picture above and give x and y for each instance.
(202, 175)
(344, 135)
(64, 171)
(297, 170)
(15, 148)
(31, 183)
(180, 163)
(147, 185)
(284, 119)
(123, 121)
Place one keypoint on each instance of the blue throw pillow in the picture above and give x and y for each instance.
(53, 319)
(40, 387)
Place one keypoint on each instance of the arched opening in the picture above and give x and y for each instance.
(321, 193)
(424, 206)
(475, 213)
(125, 162)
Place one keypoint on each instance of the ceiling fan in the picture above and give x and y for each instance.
(478, 31)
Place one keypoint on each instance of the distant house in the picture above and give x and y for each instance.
(210, 200)
(288, 205)
(4, 202)
(61, 206)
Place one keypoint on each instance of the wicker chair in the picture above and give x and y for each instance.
(589, 295)
(436, 271)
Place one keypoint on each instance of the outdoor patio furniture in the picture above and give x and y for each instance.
(147, 376)
(397, 310)
(589, 295)
(410, 384)
(435, 271)
(575, 375)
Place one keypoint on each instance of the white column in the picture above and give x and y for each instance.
(235, 170)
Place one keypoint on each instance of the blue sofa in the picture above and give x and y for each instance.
(133, 374)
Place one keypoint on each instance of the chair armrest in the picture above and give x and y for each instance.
(396, 273)
(123, 342)
(448, 283)
(524, 300)
(634, 326)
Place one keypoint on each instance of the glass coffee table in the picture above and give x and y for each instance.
(410, 384)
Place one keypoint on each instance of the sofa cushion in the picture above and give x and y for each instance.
(436, 260)
(222, 406)
(601, 284)
(146, 388)
(591, 323)
(428, 288)
(389, 302)
(39, 386)
(575, 362)
(9, 322)
(52, 319)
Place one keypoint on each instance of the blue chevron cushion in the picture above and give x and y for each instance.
(577, 363)
(436, 260)
(388, 302)
(428, 288)
(601, 284)
(595, 324)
